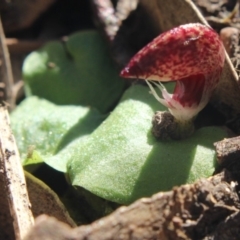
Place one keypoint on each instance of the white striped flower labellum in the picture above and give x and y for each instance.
(193, 56)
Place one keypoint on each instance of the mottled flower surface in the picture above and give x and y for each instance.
(192, 55)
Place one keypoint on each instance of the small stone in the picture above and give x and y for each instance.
(229, 37)
(163, 125)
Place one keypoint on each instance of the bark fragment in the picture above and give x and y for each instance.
(188, 212)
(228, 151)
(13, 187)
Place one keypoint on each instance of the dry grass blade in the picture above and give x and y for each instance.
(7, 76)
(14, 180)
(16, 46)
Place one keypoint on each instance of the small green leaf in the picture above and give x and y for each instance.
(121, 161)
(43, 129)
(78, 71)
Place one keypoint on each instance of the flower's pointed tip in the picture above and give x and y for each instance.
(132, 70)
(125, 72)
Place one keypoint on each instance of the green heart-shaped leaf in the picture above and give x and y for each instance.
(121, 161)
(78, 71)
(43, 129)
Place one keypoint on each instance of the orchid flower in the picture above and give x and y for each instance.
(193, 56)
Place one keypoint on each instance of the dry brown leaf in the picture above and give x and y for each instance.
(45, 201)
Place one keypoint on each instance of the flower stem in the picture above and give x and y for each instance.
(166, 127)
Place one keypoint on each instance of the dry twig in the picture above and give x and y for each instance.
(7, 76)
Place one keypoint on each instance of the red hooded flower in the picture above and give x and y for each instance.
(192, 55)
